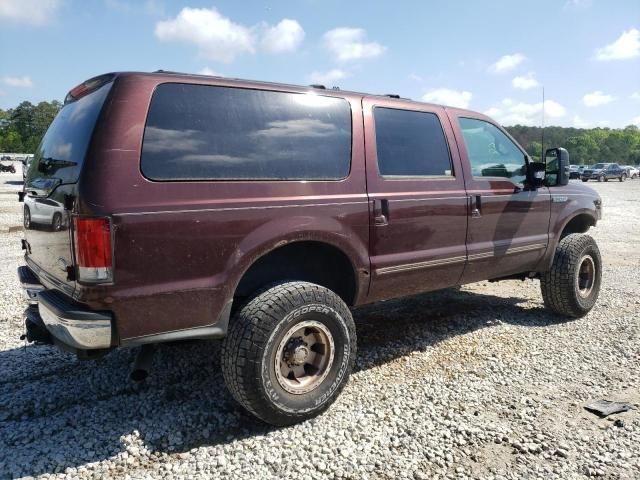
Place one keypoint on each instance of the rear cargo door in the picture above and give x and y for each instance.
(51, 183)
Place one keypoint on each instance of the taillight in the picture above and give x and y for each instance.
(94, 258)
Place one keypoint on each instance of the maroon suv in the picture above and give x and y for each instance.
(164, 207)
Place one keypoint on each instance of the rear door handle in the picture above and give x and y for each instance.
(476, 207)
(381, 212)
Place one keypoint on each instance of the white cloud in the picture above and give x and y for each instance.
(283, 37)
(626, 46)
(636, 121)
(509, 112)
(635, 96)
(445, 96)
(525, 82)
(349, 44)
(578, 122)
(219, 38)
(327, 78)
(216, 37)
(577, 4)
(596, 99)
(415, 77)
(24, 81)
(209, 71)
(33, 12)
(507, 63)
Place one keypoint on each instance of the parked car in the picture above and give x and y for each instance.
(632, 172)
(603, 172)
(574, 171)
(201, 207)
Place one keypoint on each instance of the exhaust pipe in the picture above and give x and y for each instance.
(142, 363)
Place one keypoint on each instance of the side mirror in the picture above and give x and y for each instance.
(557, 166)
(536, 173)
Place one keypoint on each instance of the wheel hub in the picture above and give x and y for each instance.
(304, 357)
(296, 352)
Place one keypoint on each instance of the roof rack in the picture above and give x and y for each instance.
(317, 85)
(392, 95)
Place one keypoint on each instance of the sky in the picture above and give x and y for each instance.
(490, 56)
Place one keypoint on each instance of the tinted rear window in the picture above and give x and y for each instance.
(410, 144)
(61, 152)
(200, 132)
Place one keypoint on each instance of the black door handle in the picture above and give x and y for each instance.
(381, 212)
(476, 207)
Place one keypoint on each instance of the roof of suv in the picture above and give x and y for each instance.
(250, 83)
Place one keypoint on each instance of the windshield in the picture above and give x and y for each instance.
(60, 155)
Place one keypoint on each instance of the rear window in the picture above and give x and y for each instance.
(410, 144)
(61, 152)
(200, 132)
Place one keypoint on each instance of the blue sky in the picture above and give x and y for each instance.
(492, 57)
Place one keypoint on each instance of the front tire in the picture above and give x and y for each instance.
(289, 352)
(571, 287)
(585, 179)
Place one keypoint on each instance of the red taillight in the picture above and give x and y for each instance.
(93, 249)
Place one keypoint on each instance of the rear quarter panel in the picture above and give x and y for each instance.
(182, 247)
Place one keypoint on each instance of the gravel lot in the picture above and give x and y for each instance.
(476, 383)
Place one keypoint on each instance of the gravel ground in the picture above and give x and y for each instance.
(476, 383)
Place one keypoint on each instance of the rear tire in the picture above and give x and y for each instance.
(623, 177)
(26, 220)
(585, 179)
(56, 222)
(571, 287)
(289, 352)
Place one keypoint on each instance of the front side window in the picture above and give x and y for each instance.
(410, 144)
(202, 132)
(491, 153)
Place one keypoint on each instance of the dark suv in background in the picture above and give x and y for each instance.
(198, 207)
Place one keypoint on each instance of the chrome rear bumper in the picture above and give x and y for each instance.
(71, 324)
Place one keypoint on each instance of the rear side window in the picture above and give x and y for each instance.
(410, 144)
(200, 132)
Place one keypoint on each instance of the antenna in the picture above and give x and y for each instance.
(542, 142)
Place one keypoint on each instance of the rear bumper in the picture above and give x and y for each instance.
(70, 324)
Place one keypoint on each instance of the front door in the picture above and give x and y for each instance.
(417, 199)
(508, 221)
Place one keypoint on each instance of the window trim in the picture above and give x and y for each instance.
(412, 177)
(246, 180)
(527, 159)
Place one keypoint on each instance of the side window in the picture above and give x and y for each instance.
(202, 132)
(410, 144)
(491, 152)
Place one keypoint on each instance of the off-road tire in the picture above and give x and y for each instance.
(250, 347)
(559, 285)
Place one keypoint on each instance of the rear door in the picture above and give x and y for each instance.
(53, 177)
(417, 198)
(508, 222)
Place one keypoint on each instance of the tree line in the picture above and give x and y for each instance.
(22, 128)
(585, 146)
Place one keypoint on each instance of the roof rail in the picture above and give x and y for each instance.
(392, 95)
(317, 85)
